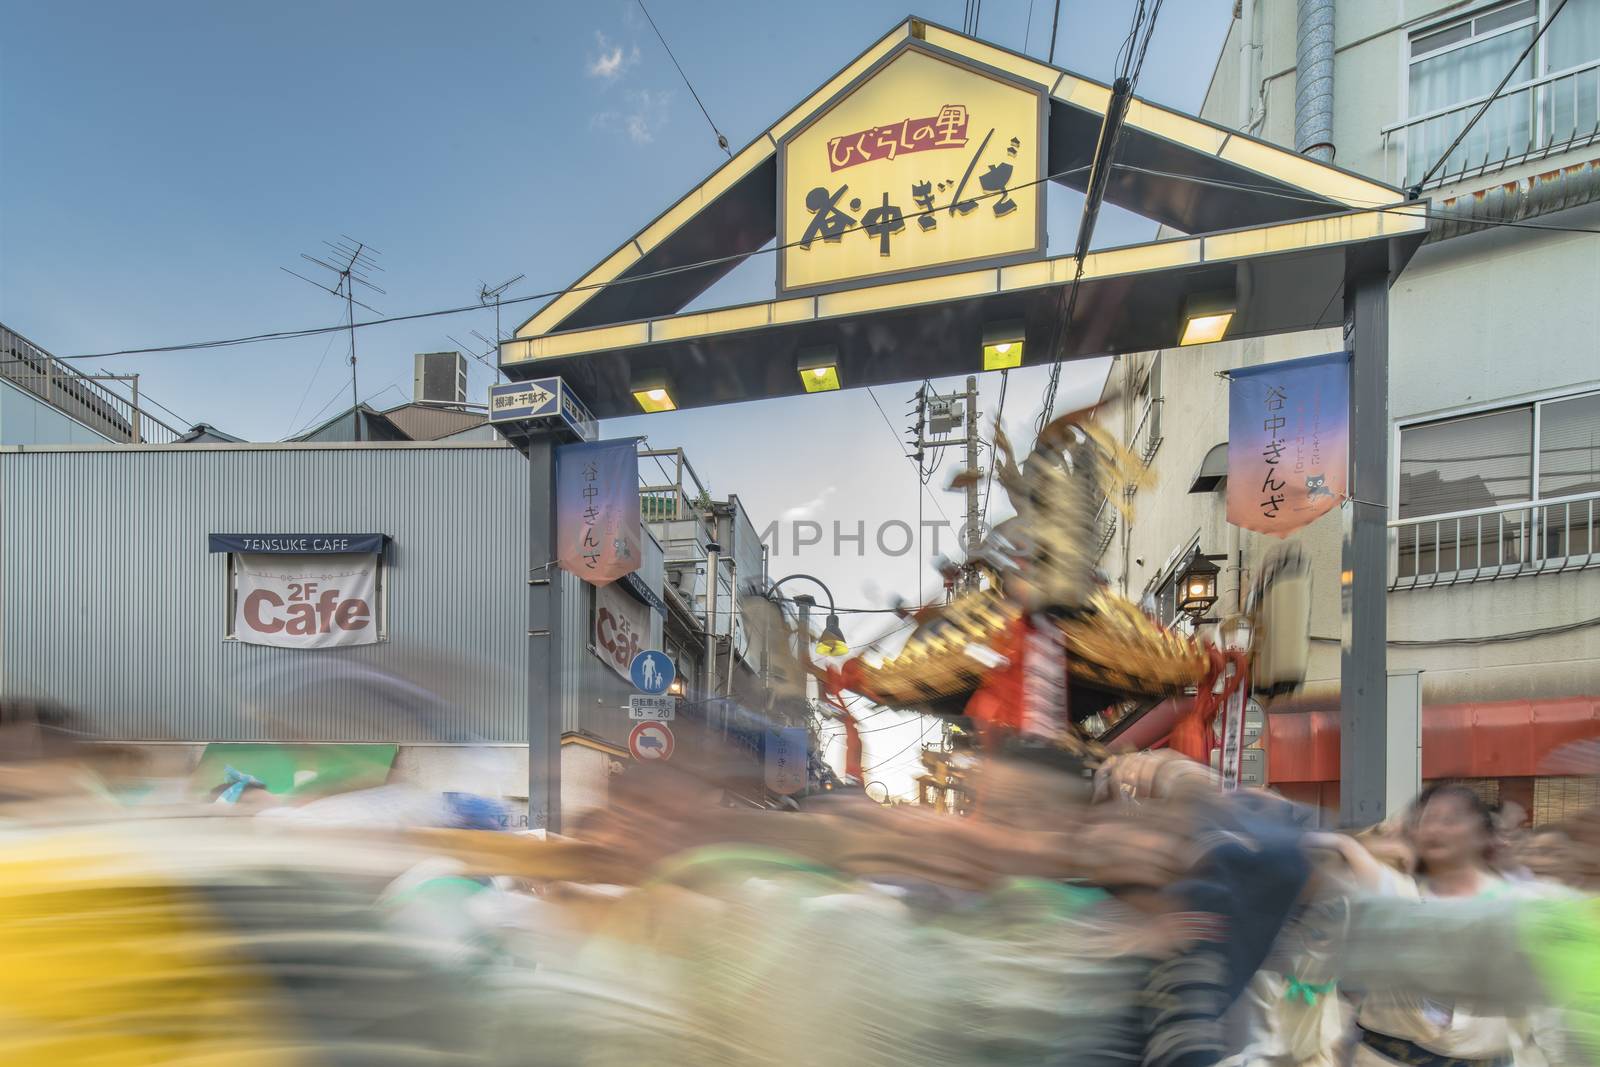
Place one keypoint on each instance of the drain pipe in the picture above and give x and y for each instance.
(1313, 79)
(1247, 67)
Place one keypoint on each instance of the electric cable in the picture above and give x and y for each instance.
(722, 142)
(1429, 173)
(317, 331)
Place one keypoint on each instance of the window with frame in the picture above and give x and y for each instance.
(1553, 95)
(1502, 487)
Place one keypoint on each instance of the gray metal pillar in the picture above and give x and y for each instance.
(544, 614)
(1364, 565)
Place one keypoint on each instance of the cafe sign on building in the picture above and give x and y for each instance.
(925, 163)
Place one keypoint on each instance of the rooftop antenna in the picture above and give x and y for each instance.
(352, 262)
(487, 296)
(482, 357)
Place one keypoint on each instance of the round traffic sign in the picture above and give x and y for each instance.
(651, 672)
(650, 742)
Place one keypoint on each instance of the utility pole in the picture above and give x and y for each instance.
(936, 416)
(352, 262)
(974, 536)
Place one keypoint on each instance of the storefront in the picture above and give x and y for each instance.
(313, 615)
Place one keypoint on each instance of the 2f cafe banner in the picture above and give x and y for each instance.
(1288, 442)
(305, 601)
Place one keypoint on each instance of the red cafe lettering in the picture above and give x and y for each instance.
(307, 611)
(617, 636)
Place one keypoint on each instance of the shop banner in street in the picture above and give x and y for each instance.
(1232, 738)
(1044, 681)
(305, 601)
(1288, 442)
(597, 510)
(787, 759)
(621, 628)
(297, 544)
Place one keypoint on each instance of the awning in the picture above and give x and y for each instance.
(643, 593)
(1505, 739)
(295, 769)
(1213, 470)
(307, 544)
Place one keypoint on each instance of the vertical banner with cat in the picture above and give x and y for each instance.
(1288, 442)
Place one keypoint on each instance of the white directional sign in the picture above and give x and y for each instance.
(652, 708)
(524, 400)
(541, 403)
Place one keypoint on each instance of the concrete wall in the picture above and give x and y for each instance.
(27, 420)
(1494, 316)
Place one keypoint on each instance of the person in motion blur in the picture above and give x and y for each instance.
(1454, 835)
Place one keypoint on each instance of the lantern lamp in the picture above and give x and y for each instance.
(1197, 585)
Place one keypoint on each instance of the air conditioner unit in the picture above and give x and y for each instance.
(441, 378)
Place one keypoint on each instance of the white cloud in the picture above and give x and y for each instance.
(647, 111)
(810, 508)
(611, 59)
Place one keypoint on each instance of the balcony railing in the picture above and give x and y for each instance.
(1105, 523)
(669, 488)
(1509, 541)
(1532, 120)
(81, 397)
(1147, 434)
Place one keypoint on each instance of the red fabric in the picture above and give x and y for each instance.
(832, 685)
(997, 703)
(1504, 739)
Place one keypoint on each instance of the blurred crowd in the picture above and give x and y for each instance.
(1120, 911)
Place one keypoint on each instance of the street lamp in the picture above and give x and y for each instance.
(653, 393)
(819, 368)
(1197, 584)
(1002, 344)
(1206, 317)
(832, 642)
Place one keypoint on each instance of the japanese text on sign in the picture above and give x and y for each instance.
(938, 164)
(947, 129)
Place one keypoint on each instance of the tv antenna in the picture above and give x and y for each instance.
(352, 262)
(487, 296)
(490, 350)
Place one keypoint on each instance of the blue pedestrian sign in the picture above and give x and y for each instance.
(652, 672)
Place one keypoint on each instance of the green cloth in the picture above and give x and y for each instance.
(1562, 938)
(321, 768)
(1306, 991)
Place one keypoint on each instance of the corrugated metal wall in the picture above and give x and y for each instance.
(112, 604)
(594, 697)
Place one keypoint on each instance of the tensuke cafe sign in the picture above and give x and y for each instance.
(925, 163)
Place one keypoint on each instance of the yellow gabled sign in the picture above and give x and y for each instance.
(926, 163)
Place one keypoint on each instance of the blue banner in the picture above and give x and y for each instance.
(323, 544)
(597, 510)
(1288, 442)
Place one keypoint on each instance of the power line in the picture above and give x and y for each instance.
(907, 455)
(1429, 173)
(722, 142)
(1027, 35)
(1130, 64)
(994, 447)
(665, 272)
(1492, 639)
(1055, 25)
(312, 380)
(1397, 208)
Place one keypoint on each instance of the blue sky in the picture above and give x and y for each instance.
(162, 161)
